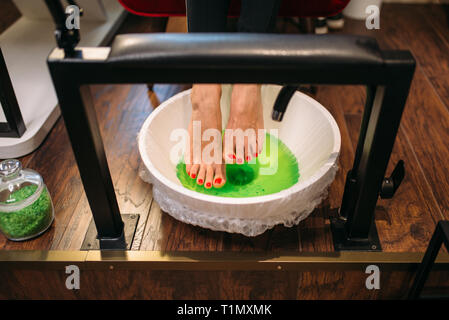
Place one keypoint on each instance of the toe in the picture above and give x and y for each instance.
(228, 148)
(260, 141)
(219, 177)
(250, 148)
(209, 177)
(201, 175)
(246, 151)
(240, 150)
(193, 173)
(188, 162)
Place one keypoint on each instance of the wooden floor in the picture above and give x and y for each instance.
(405, 223)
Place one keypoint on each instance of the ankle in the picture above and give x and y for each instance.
(245, 98)
(205, 97)
(246, 89)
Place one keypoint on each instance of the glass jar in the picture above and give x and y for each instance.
(26, 209)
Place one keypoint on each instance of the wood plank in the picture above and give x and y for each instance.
(176, 24)
(163, 232)
(314, 232)
(426, 123)
(407, 221)
(438, 17)
(76, 228)
(122, 283)
(415, 31)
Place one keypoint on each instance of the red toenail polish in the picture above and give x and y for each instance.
(248, 158)
(193, 176)
(208, 184)
(256, 154)
(200, 181)
(218, 181)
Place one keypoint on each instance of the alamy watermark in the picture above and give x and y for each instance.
(206, 147)
(73, 279)
(73, 17)
(373, 19)
(373, 280)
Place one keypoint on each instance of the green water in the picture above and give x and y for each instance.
(269, 174)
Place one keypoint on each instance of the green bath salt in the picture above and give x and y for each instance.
(267, 175)
(28, 221)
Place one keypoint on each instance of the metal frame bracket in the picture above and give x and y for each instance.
(440, 237)
(344, 243)
(124, 241)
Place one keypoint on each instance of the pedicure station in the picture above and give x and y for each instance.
(308, 134)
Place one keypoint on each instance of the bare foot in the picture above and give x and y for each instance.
(247, 116)
(207, 168)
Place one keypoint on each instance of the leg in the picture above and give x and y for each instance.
(246, 102)
(204, 158)
(246, 115)
(258, 15)
(207, 15)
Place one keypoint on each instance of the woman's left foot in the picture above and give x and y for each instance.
(244, 134)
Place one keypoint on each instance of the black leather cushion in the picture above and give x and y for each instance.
(215, 50)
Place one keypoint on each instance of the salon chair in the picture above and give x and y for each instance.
(289, 8)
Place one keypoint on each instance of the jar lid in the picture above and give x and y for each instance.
(17, 186)
(10, 168)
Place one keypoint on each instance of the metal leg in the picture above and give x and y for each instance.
(82, 127)
(14, 127)
(440, 236)
(355, 229)
(281, 103)
(351, 180)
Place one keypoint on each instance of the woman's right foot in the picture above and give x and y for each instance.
(246, 117)
(207, 169)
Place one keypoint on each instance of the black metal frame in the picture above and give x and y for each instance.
(65, 38)
(439, 237)
(388, 85)
(14, 127)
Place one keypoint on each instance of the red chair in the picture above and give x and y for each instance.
(289, 8)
